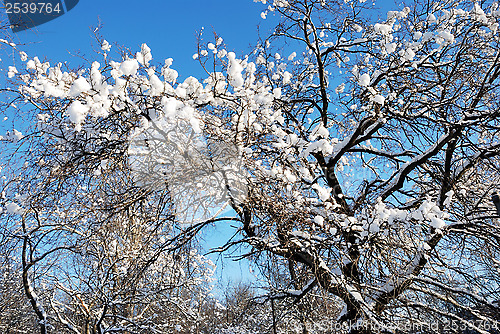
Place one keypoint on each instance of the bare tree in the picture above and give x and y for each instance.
(93, 252)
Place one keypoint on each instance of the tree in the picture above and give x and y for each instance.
(91, 251)
(360, 166)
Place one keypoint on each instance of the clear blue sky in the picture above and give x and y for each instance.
(168, 27)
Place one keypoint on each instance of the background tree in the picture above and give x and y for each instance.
(93, 252)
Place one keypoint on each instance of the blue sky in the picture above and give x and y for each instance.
(168, 27)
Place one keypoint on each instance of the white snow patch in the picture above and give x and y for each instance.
(323, 193)
(77, 113)
(364, 80)
(379, 99)
(144, 57)
(12, 72)
(319, 220)
(234, 70)
(384, 29)
(390, 47)
(129, 67)
(79, 86)
(437, 223)
(105, 46)
(287, 76)
(14, 208)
